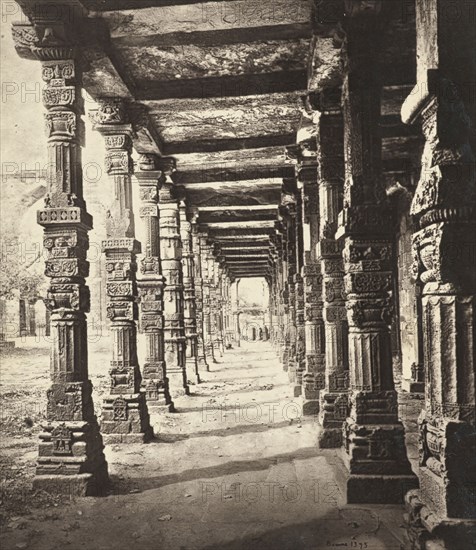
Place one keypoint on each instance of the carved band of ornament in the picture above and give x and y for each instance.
(60, 96)
(366, 312)
(72, 267)
(119, 289)
(118, 162)
(121, 311)
(58, 70)
(117, 141)
(149, 193)
(110, 111)
(68, 296)
(332, 266)
(150, 265)
(126, 244)
(368, 282)
(62, 439)
(70, 215)
(334, 290)
(149, 211)
(334, 314)
(60, 124)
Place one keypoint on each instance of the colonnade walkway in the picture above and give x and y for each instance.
(235, 467)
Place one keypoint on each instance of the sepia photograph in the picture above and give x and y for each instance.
(237, 275)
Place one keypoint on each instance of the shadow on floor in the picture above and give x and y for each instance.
(138, 484)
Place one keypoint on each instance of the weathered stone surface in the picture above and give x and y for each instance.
(200, 61)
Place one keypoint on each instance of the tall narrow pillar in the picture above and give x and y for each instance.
(334, 397)
(304, 155)
(71, 459)
(198, 284)
(236, 313)
(171, 254)
(288, 213)
(207, 274)
(151, 289)
(375, 457)
(124, 416)
(189, 309)
(443, 512)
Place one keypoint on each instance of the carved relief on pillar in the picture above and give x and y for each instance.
(189, 300)
(120, 249)
(171, 259)
(198, 283)
(71, 459)
(443, 250)
(155, 383)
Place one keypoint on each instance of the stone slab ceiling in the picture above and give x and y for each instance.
(219, 86)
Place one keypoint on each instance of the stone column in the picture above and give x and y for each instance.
(198, 284)
(443, 207)
(124, 416)
(218, 270)
(313, 377)
(71, 459)
(151, 289)
(334, 397)
(378, 470)
(171, 254)
(300, 358)
(207, 311)
(236, 313)
(216, 304)
(287, 213)
(189, 310)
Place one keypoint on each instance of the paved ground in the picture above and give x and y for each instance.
(236, 469)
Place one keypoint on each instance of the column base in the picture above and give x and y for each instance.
(378, 488)
(125, 418)
(411, 386)
(310, 407)
(191, 366)
(426, 531)
(157, 395)
(297, 390)
(203, 365)
(377, 470)
(157, 407)
(178, 385)
(334, 410)
(71, 460)
(78, 485)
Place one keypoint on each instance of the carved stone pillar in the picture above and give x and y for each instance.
(300, 357)
(216, 305)
(334, 398)
(236, 313)
(288, 214)
(189, 309)
(281, 300)
(198, 284)
(313, 377)
(374, 443)
(71, 459)
(444, 209)
(207, 273)
(151, 289)
(171, 254)
(219, 305)
(124, 416)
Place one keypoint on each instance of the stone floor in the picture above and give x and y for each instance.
(236, 469)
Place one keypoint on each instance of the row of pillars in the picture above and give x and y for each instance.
(332, 293)
(331, 282)
(179, 296)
